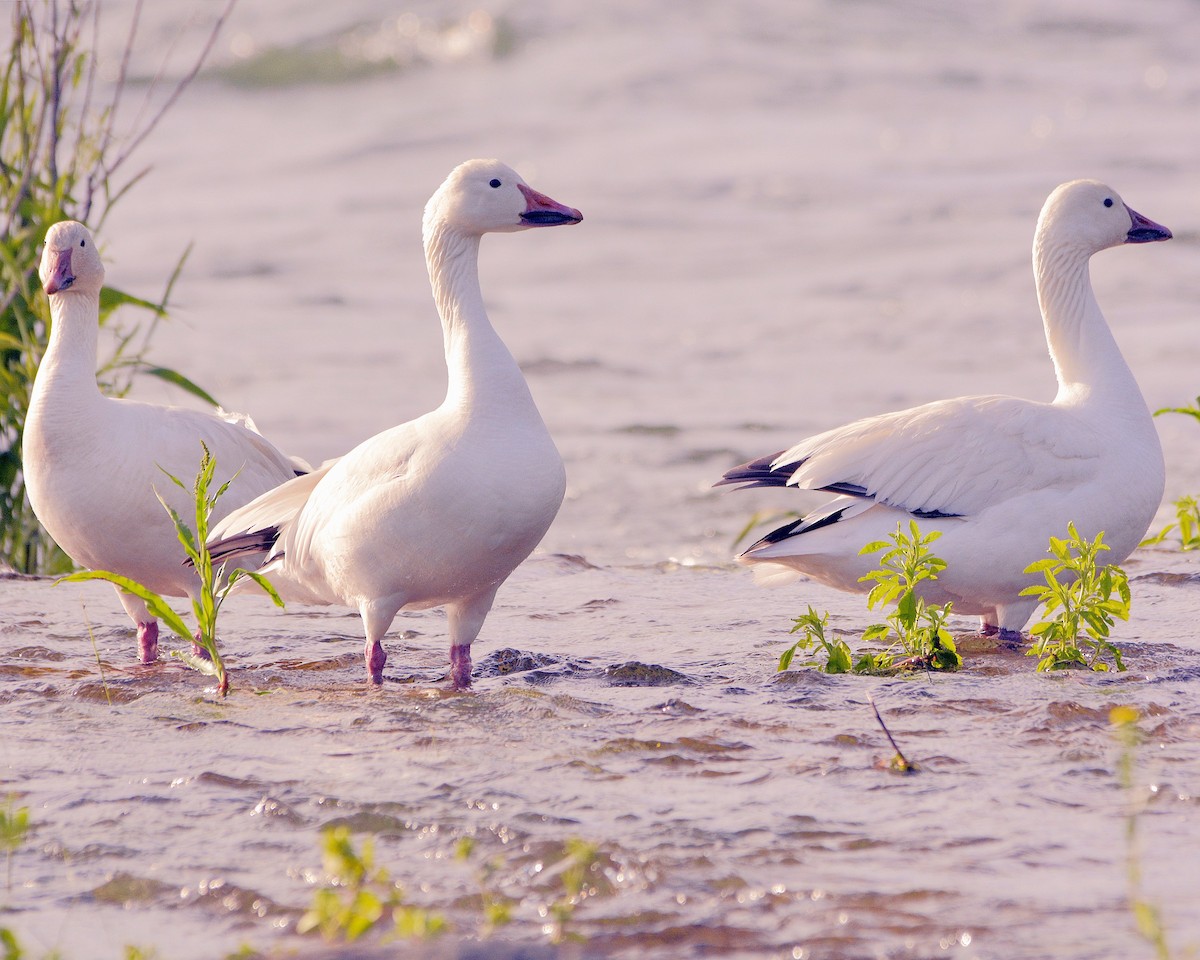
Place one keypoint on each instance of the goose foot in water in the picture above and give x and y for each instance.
(376, 657)
(460, 666)
(1008, 638)
(147, 635)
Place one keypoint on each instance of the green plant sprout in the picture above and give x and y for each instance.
(1146, 914)
(11, 945)
(359, 895)
(1187, 521)
(838, 658)
(214, 586)
(497, 909)
(11, 949)
(1087, 600)
(581, 859)
(914, 627)
(1187, 510)
(14, 830)
(1192, 411)
(915, 632)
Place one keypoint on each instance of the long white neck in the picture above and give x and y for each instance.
(483, 376)
(1087, 360)
(67, 371)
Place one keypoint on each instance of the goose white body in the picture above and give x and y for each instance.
(996, 475)
(441, 509)
(92, 463)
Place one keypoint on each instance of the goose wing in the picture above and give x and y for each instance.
(950, 458)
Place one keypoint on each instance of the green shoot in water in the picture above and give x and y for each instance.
(1187, 522)
(914, 629)
(359, 896)
(1087, 600)
(1124, 721)
(14, 830)
(838, 658)
(214, 584)
(1187, 510)
(497, 909)
(581, 862)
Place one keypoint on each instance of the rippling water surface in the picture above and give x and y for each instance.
(795, 213)
(737, 812)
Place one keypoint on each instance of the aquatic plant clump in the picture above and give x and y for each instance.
(360, 897)
(915, 631)
(915, 627)
(1084, 600)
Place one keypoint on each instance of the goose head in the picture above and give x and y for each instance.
(1091, 216)
(70, 261)
(487, 196)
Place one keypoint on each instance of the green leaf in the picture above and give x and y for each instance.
(261, 580)
(208, 667)
(154, 603)
(179, 380)
(785, 658)
(111, 298)
(839, 658)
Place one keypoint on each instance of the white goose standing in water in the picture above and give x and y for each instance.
(439, 510)
(998, 476)
(92, 463)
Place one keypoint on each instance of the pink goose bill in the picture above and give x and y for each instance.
(541, 211)
(1145, 230)
(61, 276)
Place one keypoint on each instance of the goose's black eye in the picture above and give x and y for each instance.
(494, 183)
(83, 243)
(1108, 201)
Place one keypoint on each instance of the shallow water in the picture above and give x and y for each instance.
(795, 214)
(738, 812)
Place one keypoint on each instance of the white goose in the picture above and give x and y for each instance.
(92, 463)
(439, 510)
(998, 476)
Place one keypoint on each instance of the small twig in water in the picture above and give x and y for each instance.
(899, 763)
(96, 651)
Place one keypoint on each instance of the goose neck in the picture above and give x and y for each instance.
(479, 365)
(1087, 360)
(69, 363)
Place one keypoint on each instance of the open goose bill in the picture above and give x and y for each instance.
(541, 211)
(1145, 230)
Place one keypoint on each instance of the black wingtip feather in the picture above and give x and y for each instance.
(803, 525)
(758, 473)
(241, 545)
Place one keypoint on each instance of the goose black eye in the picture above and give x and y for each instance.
(494, 183)
(83, 243)
(1108, 201)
